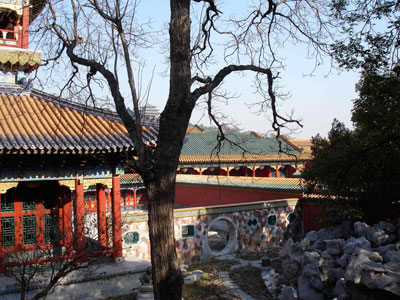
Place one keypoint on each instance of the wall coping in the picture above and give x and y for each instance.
(217, 209)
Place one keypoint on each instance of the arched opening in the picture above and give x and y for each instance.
(221, 236)
(8, 21)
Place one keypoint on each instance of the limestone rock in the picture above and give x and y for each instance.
(334, 247)
(339, 289)
(305, 244)
(286, 249)
(306, 291)
(386, 226)
(290, 268)
(343, 260)
(317, 284)
(361, 229)
(311, 258)
(312, 236)
(360, 243)
(288, 293)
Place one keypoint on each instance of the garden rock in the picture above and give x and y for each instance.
(312, 236)
(288, 293)
(329, 258)
(306, 291)
(361, 228)
(334, 247)
(311, 258)
(286, 249)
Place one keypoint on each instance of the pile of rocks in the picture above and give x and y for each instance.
(325, 261)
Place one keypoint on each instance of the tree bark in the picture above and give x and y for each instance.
(167, 278)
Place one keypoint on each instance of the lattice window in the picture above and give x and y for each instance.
(50, 228)
(7, 232)
(7, 205)
(28, 205)
(29, 229)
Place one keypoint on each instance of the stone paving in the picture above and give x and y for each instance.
(233, 288)
(95, 282)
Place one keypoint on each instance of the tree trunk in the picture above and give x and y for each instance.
(167, 278)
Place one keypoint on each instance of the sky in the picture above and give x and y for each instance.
(316, 100)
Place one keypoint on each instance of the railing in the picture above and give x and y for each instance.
(14, 38)
(9, 37)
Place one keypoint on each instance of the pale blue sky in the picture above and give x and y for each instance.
(316, 99)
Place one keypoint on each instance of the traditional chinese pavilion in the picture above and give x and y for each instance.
(241, 154)
(59, 160)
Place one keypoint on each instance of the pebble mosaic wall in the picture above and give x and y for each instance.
(251, 230)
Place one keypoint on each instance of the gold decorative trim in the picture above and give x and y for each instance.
(5, 186)
(68, 183)
(93, 181)
(90, 182)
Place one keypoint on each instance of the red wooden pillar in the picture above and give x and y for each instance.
(269, 172)
(277, 172)
(67, 224)
(254, 171)
(101, 215)
(79, 216)
(200, 171)
(25, 28)
(116, 217)
(134, 197)
(227, 171)
(246, 173)
(39, 222)
(18, 223)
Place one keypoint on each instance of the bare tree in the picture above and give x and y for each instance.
(101, 40)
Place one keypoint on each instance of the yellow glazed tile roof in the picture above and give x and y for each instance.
(29, 123)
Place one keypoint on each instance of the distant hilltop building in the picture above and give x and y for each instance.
(148, 113)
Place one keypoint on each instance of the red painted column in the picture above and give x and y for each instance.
(18, 223)
(116, 217)
(254, 171)
(227, 171)
(25, 28)
(101, 215)
(67, 224)
(277, 172)
(39, 222)
(79, 217)
(200, 171)
(134, 197)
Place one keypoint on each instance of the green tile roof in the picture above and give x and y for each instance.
(205, 144)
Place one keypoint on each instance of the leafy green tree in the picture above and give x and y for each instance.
(360, 169)
(370, 34)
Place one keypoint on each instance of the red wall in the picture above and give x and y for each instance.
(192, 196)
